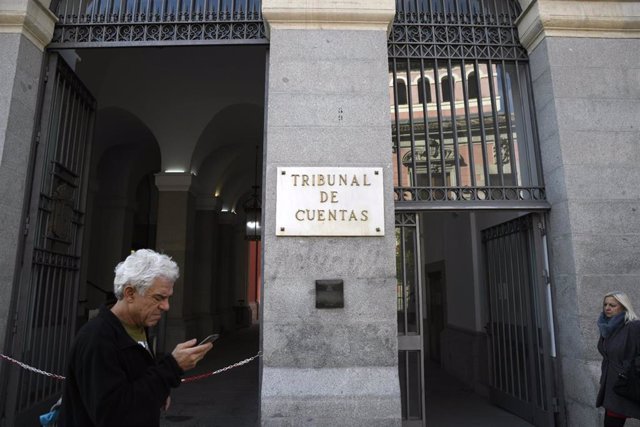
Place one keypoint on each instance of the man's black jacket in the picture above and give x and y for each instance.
(112, 380)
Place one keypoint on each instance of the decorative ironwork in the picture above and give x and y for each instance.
(57, 260)
(406, 219)
(46, 306)
(92, 23)
(456, 29)
(466, 194)
(461, 109)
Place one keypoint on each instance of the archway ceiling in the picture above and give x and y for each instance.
(203, 105)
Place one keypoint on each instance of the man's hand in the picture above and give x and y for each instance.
(167, 404)
(187, 355)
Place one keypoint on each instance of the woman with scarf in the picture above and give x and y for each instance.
(619, 342)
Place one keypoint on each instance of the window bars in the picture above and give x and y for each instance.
(94, 23)
(461, 107)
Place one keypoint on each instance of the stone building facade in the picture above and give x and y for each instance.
(314, 91)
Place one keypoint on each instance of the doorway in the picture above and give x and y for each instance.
(458, 351)
(175, 156)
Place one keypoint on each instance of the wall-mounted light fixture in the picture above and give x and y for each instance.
(253, 208)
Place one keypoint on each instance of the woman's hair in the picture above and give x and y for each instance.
(141, 268)
(623, 299)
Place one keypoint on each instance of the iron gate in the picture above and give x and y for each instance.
(107, 23)
(45, 310)
(521, 345)
(463, 128)
(410, 325)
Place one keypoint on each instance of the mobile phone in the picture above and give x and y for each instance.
(210, 338)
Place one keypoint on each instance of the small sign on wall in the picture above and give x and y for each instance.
(329, 201)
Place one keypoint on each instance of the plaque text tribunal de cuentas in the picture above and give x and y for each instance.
(329, 201)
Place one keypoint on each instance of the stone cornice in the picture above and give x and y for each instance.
(590, 19)
(329, 14)
(32, 18)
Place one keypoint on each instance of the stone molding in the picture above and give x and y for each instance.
(167, 181)
(31, 18)
(587, 19)
(329, 14)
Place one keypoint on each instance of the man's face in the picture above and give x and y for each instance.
(147, 309)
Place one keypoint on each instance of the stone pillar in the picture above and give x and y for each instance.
(226, 275)
(175, 237)
(585, 71)
(205, 264)
(26, 26)
(328, 105)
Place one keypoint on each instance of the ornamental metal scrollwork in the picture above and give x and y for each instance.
(488, 32)
(131, 22)
(62, 213)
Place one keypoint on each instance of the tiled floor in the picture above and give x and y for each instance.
(230, 399)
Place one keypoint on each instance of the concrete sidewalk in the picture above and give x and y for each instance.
(231, 399)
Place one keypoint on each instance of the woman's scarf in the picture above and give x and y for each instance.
(608, 325)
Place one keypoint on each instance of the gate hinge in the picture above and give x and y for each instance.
(14, 328)
(546, 277)
(542, 229)
(27, 223)
(38, 137)
(555, 404)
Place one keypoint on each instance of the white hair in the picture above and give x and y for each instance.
(624, 300)
(141, 268)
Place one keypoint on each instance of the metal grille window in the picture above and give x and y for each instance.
(92, 23)
(466, 136)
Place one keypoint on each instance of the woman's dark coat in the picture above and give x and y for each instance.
(112, 380)
(615, 351)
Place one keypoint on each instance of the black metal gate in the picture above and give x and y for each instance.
(410, 324)
(463, 130)
(521, 344)
(45, 310)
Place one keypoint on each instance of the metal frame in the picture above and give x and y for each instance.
(118, 23)
(462, 153)
(521, 347)
(45, 307)
(410, 340)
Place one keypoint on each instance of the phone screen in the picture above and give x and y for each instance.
(210, 338)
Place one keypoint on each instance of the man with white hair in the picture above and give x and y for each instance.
(113, 377)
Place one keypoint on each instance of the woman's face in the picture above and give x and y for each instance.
(611, 307)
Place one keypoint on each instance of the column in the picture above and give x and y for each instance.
(206, 280)
(26, 26)
(175, 237)
(586, 86)
(328, 106)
